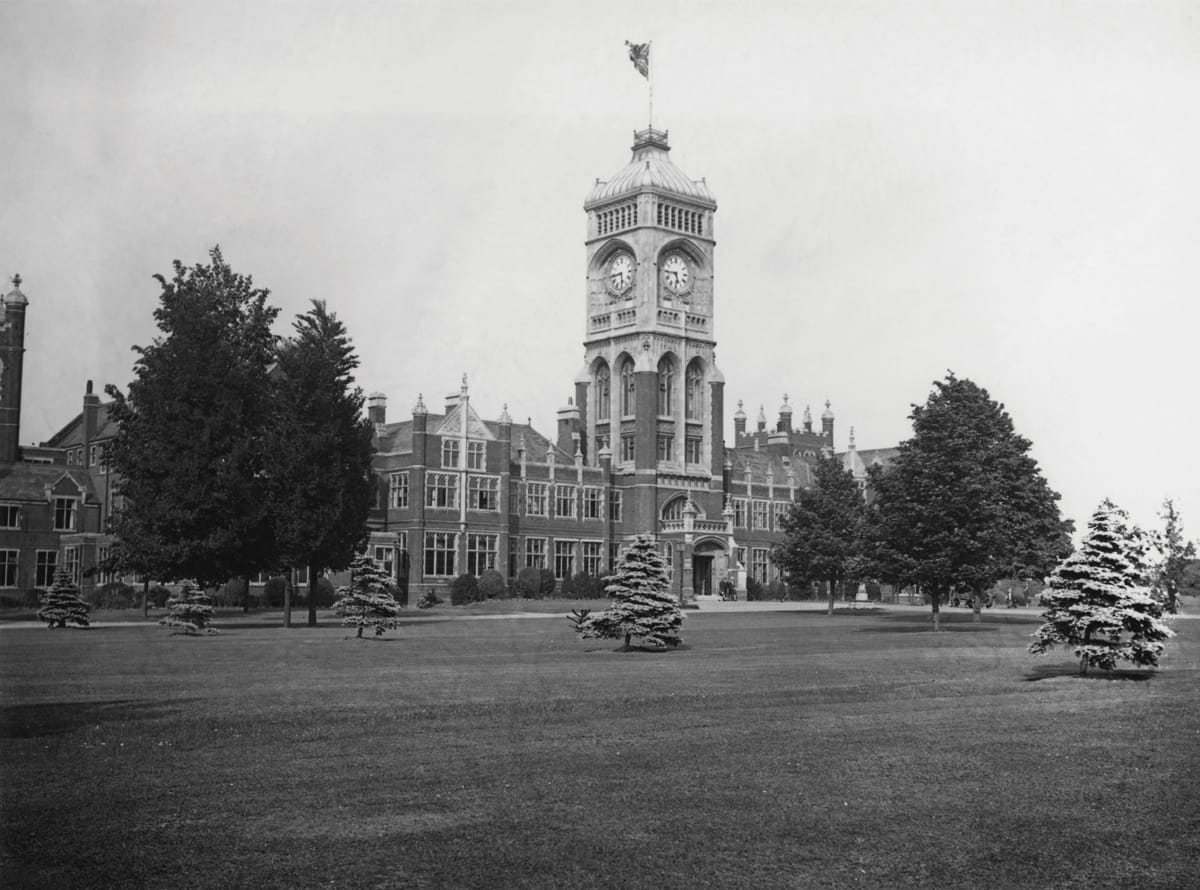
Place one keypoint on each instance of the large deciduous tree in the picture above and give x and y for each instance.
(321, 450)
(823, 529)
(1098, 599)
(1176, 554)
(190, 451)
(962, 502)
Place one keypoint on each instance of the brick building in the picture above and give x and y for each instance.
(639, 448)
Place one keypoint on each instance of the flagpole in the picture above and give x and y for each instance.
(650, 80)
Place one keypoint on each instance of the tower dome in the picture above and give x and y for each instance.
(650, 169)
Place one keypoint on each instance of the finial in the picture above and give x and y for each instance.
(420, 408)
(504, 418)
(16, 280)
(464, 384)
(851, 445)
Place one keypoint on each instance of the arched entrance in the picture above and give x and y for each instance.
(709, 563)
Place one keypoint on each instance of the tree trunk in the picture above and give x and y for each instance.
(627, 640)
(976, 604)
(360, 631)
(312, 596)
(146, 597)
(245, 595)
(935, 597)
(832, 587)
(287, 599)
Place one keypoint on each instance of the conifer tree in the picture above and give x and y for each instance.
(368, 601)
(1098, 600)
(642, 602)
(62, 603)
(190, 609)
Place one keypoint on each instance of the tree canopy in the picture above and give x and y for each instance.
(321, 449)
(823, 529)
(642, 604)
(189, 451)
(962, 502)
(1176, 553)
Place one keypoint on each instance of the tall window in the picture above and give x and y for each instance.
(476, 455)
(591, 553)
(483, 493)
(615, 502)
(450, 453)
(758, 564)
(536, 497)
(666, 386)
(693, 406)
(47, 562)
(385, 558)
(71, 562)
(8, 568)
(592, 500)
(628, 389)
(603, 392)
(564, 559)
(628, 448)
(692, 447)
(739, 513)
(666, 447)
(398, 490)
(780, 508)
(93, 455)
(10, 516)
(441, 490)
(439, 553)
(760, 514)
(535, 552)
(103, 575)
(64, 514)
(481, 553)
(564, 501)
(614, 554)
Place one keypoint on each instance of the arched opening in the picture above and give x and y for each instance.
(603, 392)
(693, 389)
(628, 388)
(666, 386)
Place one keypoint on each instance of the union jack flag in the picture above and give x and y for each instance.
(639, 54)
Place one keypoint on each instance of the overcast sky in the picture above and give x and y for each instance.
(1007, 190)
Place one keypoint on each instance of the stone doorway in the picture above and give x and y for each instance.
(702, 582)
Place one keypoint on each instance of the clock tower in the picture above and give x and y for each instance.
(650, 397)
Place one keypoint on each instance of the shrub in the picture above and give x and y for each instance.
(529, 583)
(429, 600)
(326, 594)
(777, 590)
(491, 585)
(158, 595)
(547, 583)
(567, 590)
(464, 590)
(755, 590)
(583, 587)
(273, 592)
(114, 595)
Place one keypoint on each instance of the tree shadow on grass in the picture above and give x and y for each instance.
(923, 623)
(57, 718)
(1071, 671)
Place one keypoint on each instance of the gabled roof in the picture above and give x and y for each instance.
(71, 435)
(759, 462)
(396, 438)
(28, 482)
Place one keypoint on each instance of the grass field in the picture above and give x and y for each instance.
(783, 749)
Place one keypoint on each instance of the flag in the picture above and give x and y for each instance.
(639, 54)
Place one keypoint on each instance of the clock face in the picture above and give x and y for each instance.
(620, 273)
(676, 275)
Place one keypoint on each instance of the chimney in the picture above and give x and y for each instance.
(377, 408)
(91, 418)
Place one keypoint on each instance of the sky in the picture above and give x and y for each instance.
(1005, 190)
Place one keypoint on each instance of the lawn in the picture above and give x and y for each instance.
(775, 749)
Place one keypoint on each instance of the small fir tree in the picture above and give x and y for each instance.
(642, 602)
(1098, 600)
(62, 604)
(190, 609)
(368, 600)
